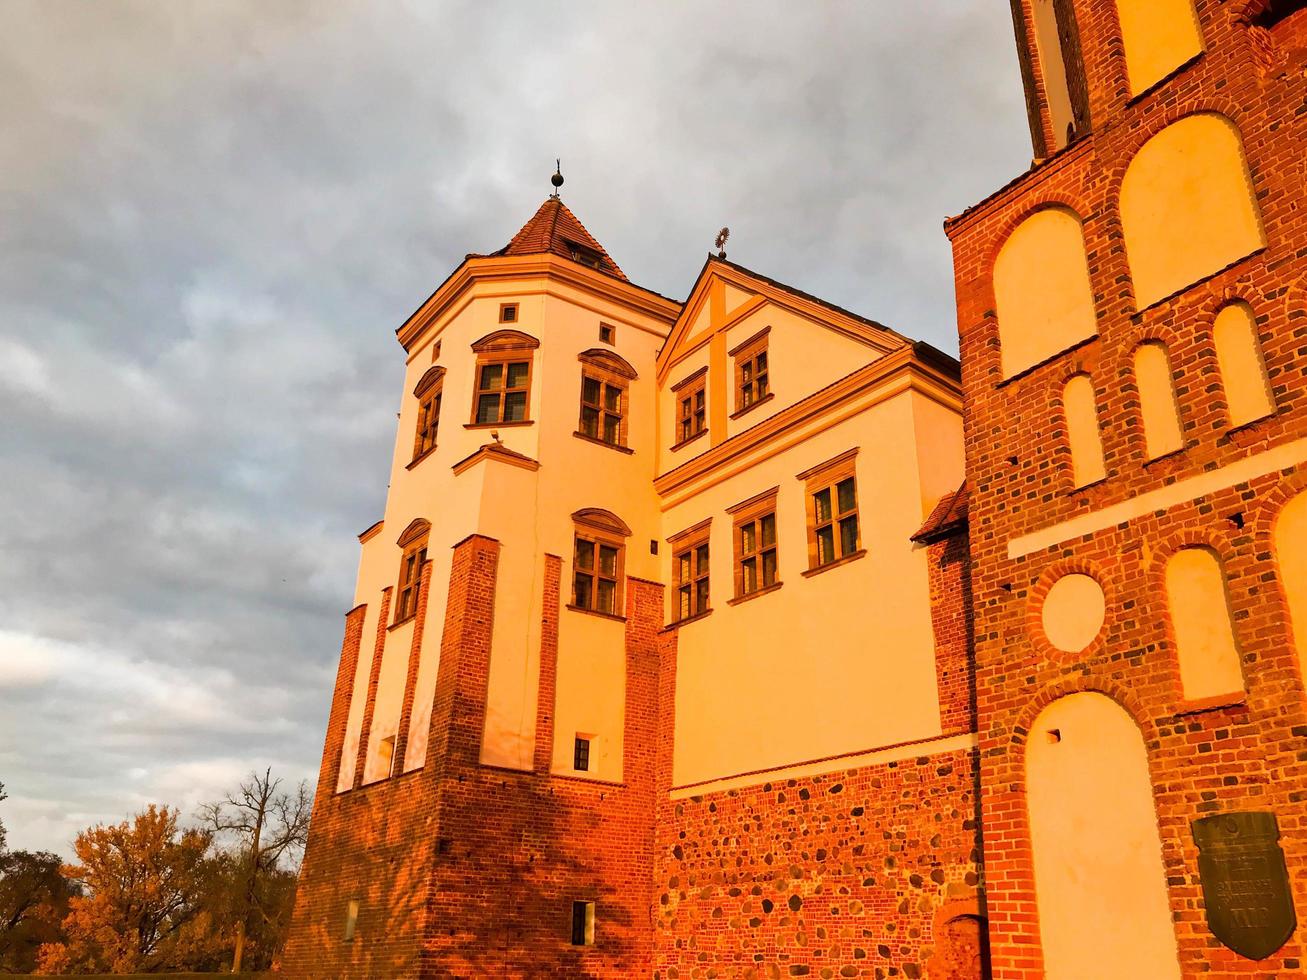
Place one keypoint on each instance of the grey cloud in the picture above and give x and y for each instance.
(212, 218)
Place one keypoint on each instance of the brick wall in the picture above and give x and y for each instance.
(1222, 758)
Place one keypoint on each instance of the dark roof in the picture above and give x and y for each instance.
(948, 518)
(554, 228)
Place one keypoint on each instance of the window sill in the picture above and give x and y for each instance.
(860, 553)
(600, 442)
(499, 425)
(402, 622)
(685, 442)
(754, 594)
(740, 413)
(596, 612)
(688, 619)
(420, 457)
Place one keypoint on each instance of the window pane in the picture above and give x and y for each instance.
(684, 609)
(583, 586)
(590, 391)
(608, 561)
(612, 428)
(488, 408)
(762, 385)
(749, 575)
(698, 399)
(684, 561)
(701, 595)
(515, 406)
(825, 545)
(517, 374)
(701, 560)
(612, 398)
(848, 499)
(822, 502)
(490, 375)
(585, 554)
(748, 538)
(746, 395)
(685, 408)
(768, 530)
(761, 361)
(849, 535)
(607, 592)
(746, 372)
(768, 568)
(590, 421)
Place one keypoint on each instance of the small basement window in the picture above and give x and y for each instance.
(581, 753)
(583, 923)
(607, 333)
(351, 920)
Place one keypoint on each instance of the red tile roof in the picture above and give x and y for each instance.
(554, 228)
(948, 517)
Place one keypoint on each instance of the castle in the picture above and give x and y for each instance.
(747, 637)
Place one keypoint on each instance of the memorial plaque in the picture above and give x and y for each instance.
(1245, 881)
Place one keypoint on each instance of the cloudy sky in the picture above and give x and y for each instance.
(212, 218)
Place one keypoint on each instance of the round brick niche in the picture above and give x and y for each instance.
(1073, 612)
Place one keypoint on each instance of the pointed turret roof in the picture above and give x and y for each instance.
(554, 228)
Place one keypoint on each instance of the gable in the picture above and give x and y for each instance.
(725, 294)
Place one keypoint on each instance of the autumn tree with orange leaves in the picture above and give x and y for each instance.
(142, 907)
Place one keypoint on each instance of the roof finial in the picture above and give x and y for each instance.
(722, 235)
(557, 178)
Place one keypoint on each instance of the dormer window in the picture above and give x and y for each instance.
(691, 407)
(752, 379)
(502, 389)
(584, 255)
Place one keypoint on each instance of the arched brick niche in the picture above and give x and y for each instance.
(1100, 885)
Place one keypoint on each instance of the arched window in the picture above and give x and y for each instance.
(1187, 206)
(605, 378)
(1291, 563)
(429, 392)
(598, 561)
(1159, 36)
(1042, 294)
(1081, 412)
(1201, 624)
(1243, 372)
(503, 378)
(1161, 415)
(1100, 886)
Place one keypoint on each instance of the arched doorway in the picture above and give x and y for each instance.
(1100, 886)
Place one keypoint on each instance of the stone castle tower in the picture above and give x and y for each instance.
(1133, 334)
(682, 649)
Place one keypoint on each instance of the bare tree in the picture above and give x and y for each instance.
(267, 826)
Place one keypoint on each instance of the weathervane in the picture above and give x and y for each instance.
(557, 178)
(720, 245)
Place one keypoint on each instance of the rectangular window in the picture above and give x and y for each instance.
(833, 512)
(757, 555)
(410, 579)
(581, 753)
(583, 923)
(351, 919)
(501, 391)
(603, 403)
(597, 574)
(507, 312)
(751, 374)
(607, 333)
(386, 755)
(693, 415)
(690, 563)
